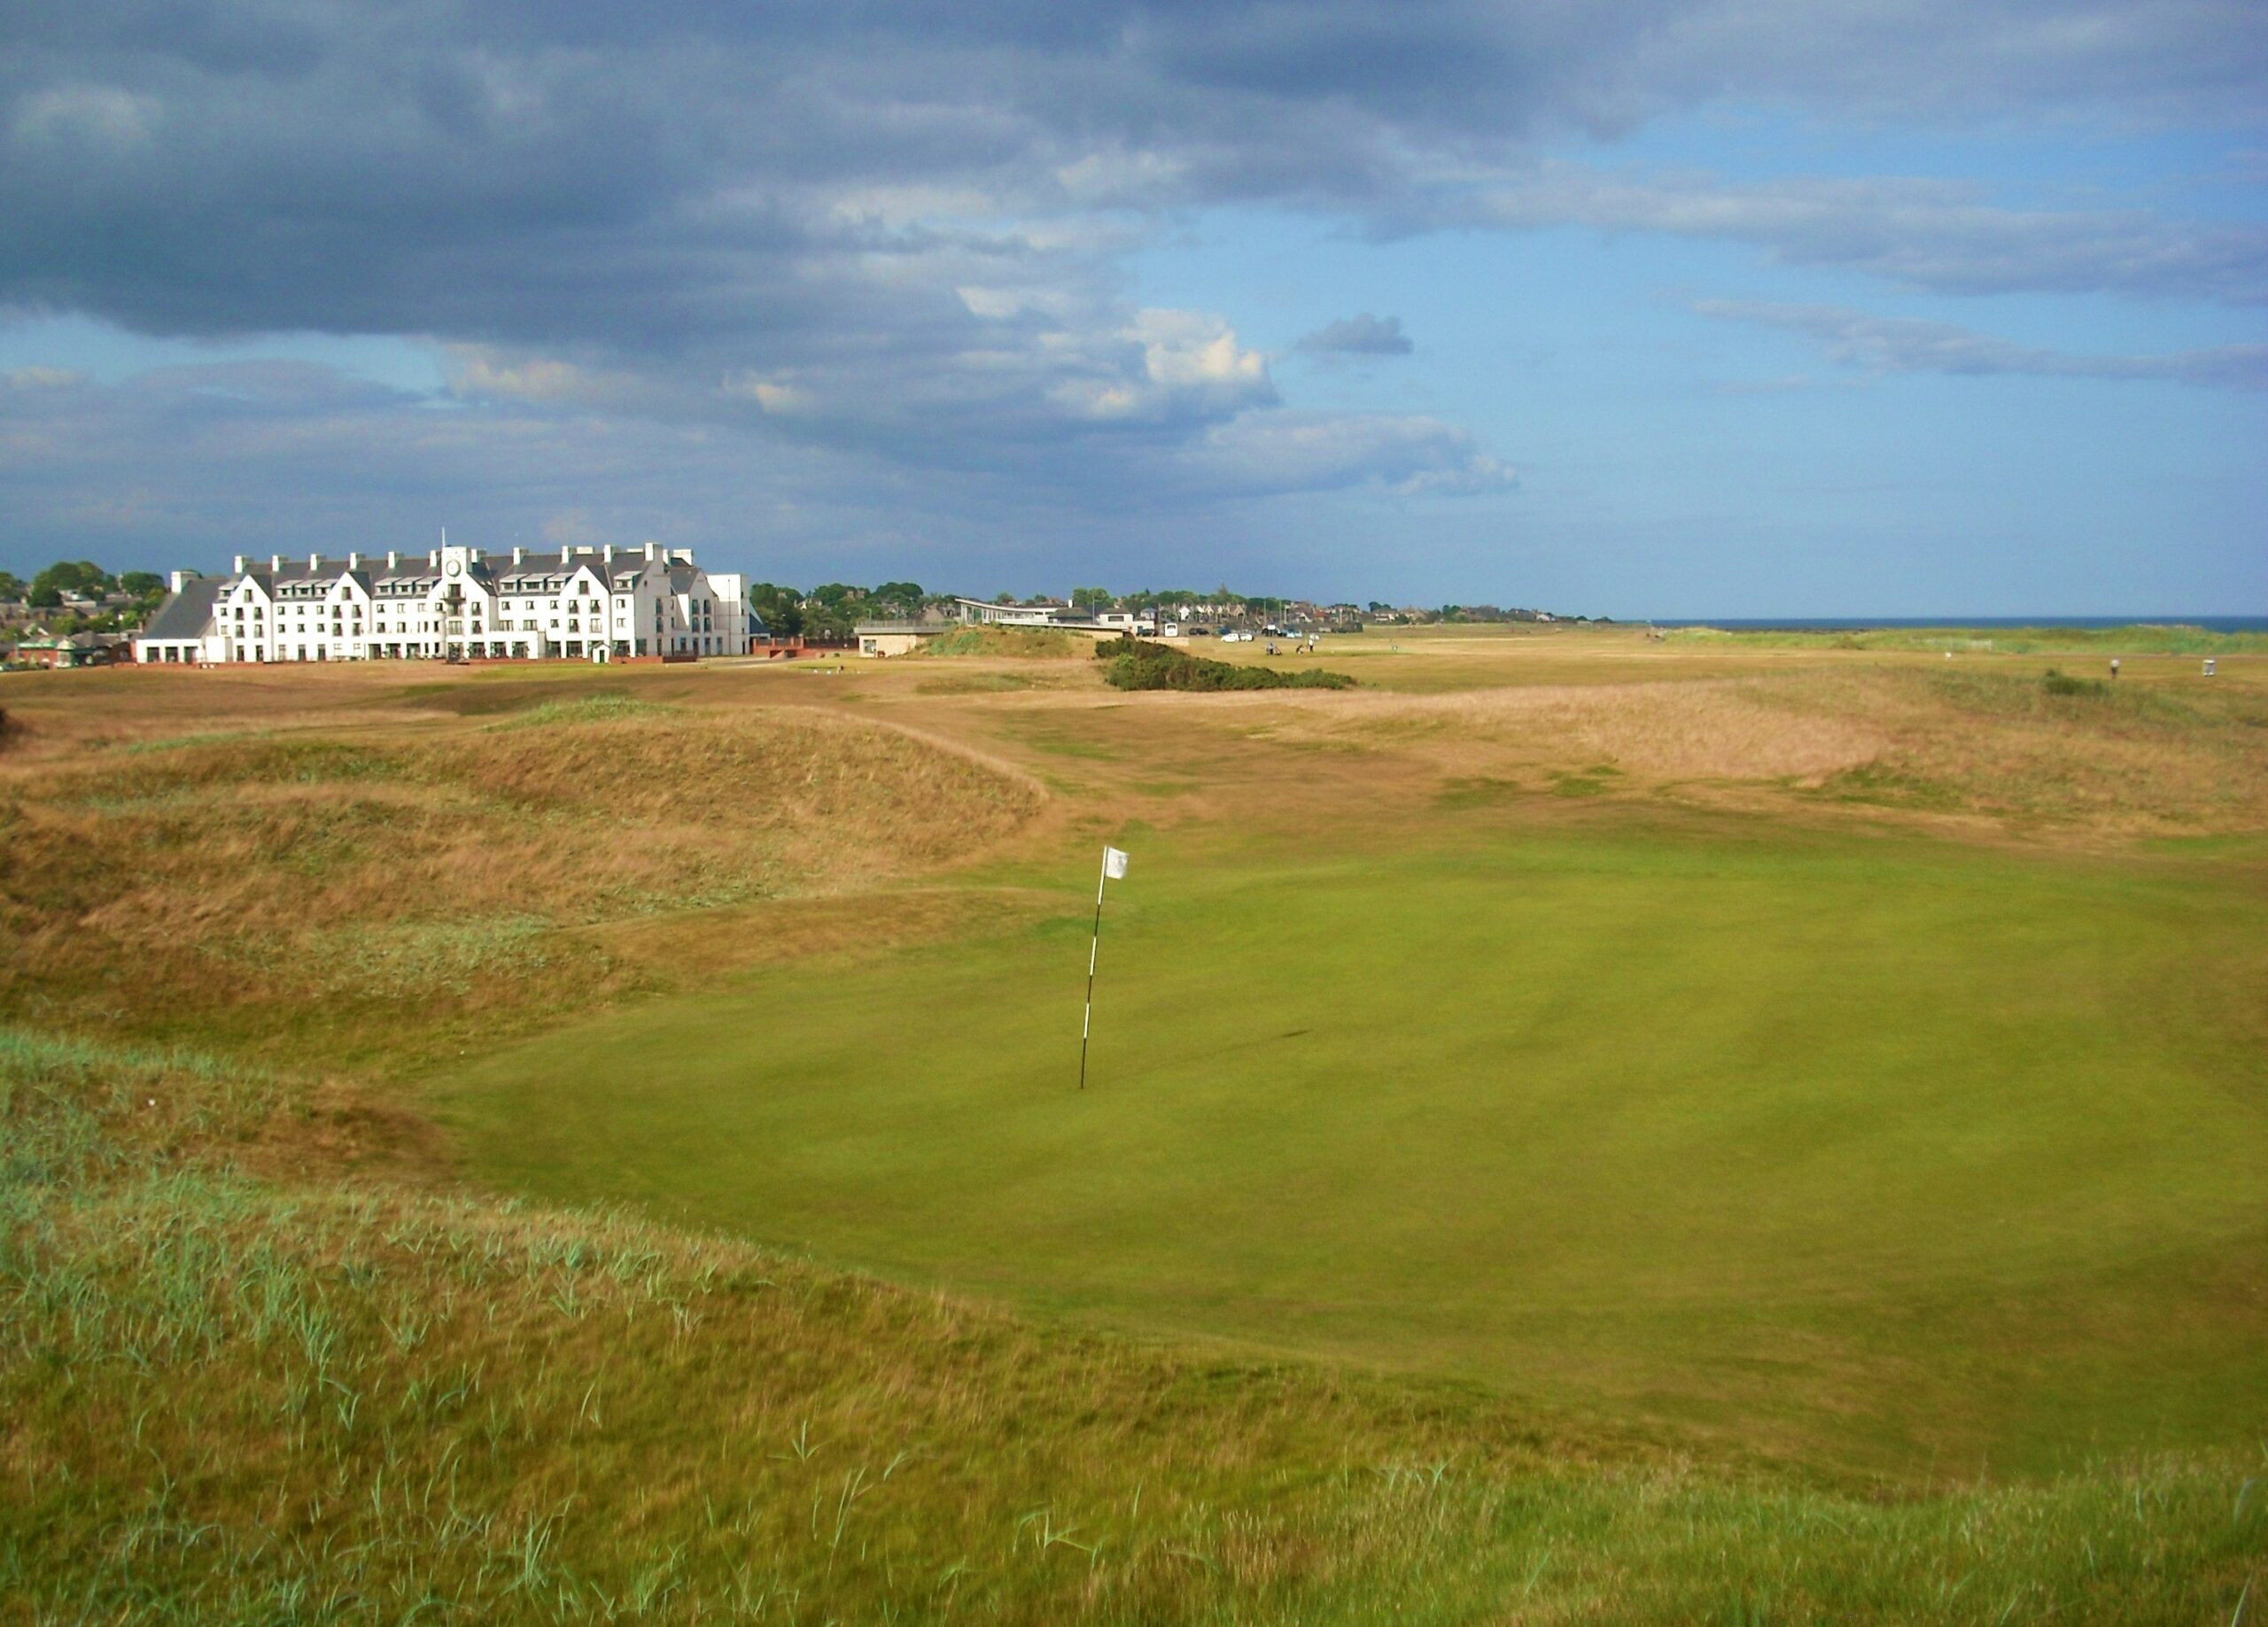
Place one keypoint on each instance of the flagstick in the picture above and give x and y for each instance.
(1086, 1023)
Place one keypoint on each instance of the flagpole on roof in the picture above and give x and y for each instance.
(1114, 866)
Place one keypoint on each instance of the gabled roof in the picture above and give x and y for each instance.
(187, 614)
(499, 572)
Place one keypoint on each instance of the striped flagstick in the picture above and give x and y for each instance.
(1114, 869)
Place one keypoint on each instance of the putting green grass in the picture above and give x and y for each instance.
(1896, 1155)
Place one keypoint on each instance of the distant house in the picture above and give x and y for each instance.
(77, 649)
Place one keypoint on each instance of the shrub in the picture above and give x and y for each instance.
(1136, 665)
(2057, 683)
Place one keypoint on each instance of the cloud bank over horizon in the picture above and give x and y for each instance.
(998, 291)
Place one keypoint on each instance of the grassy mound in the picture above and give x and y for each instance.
(232, 1399)
(243, 872)
(1019, 641)
(1134, 664)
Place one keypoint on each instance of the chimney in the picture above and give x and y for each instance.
(608, 553)
(237, 565)
(179, 579)
(275, 562)
(649, 551)
(393, 558)
(314, 562)
(433, 556)
(519, 556)
(354, 561)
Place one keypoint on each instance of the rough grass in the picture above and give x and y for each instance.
(229, 1399)
(975, 684)
(2125, 759)
(590, 708)
(247, 871)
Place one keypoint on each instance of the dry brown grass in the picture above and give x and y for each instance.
(442, 862)
(2146, 761)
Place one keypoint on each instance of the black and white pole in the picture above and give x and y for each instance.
(1114, 869)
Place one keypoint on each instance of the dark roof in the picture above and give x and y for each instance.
(186, 615)
(496, 568)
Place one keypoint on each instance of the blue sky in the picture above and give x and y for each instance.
(1660, 308)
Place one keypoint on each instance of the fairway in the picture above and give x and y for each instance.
(1859, 1146)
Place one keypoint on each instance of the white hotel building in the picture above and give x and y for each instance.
(598, 604)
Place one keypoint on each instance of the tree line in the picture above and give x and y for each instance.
(120, 600)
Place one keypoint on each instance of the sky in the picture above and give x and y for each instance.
(1675, 308)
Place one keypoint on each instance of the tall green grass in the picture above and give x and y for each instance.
(231, 1400)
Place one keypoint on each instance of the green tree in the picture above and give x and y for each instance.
(780, 608)
(831, 607)
(143, 584)
(11, 586)
(902, 598)
(69, 576)
(1091, 599)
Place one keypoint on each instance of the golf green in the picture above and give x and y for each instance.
(1899, 1151)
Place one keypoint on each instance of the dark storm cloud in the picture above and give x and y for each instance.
(890, 232)
(670, 174)
(1363, 335)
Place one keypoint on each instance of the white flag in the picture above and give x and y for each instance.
(1114, 864)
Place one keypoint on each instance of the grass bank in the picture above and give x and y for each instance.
(1025, 642)
(231, 1399)
(292, 890)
